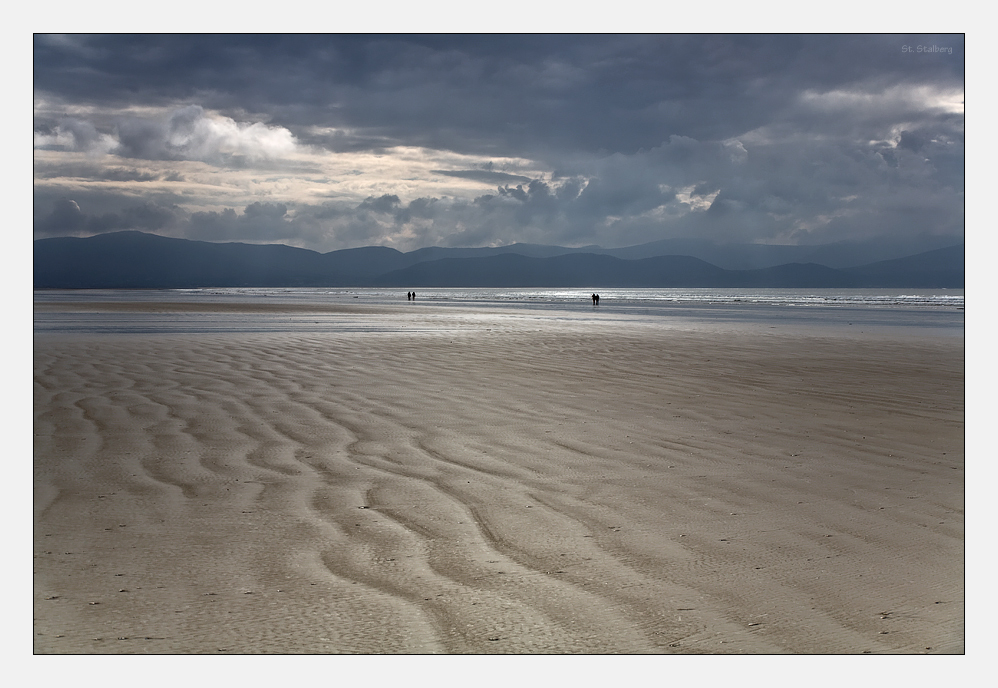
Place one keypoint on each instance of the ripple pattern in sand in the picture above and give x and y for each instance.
(442, 493)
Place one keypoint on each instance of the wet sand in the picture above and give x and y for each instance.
(499, 484)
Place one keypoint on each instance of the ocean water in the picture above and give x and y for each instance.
(940, 311)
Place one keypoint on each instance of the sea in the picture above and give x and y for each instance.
(935, 311)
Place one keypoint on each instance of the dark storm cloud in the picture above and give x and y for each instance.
(139, 138)
(258, 222)
(613, 93)
(484, 176)
(110, 174)
(69, 133)
(734, 137)
(67, 219)
(383, 204)
(390, 208)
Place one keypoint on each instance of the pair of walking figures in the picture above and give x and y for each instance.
(595, 299)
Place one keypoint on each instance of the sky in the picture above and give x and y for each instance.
(337, 141)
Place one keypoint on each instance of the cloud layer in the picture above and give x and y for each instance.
(337, 141)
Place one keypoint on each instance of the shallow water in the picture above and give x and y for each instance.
(939, 312)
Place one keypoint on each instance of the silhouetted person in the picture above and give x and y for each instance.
(413, 296)
(408, 296)
(597, 299)
(594, 298)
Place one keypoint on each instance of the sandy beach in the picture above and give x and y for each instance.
(462, 481)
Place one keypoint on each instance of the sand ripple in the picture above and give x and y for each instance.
(496, 489)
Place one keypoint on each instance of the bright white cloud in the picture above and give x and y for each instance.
(188, 133)
(196, 134)
(901, 98)
(696, 201)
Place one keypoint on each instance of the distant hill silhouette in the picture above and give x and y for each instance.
(942, 267)
(842, 254)
(138, 260)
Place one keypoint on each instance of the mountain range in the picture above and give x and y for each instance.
(137, 260)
